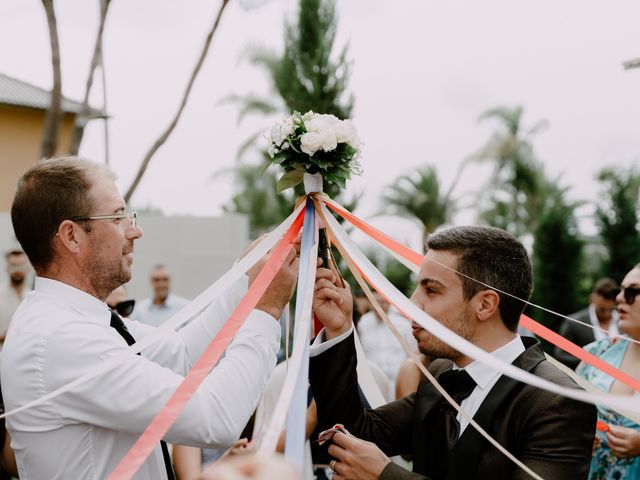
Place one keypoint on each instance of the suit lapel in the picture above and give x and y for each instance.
(426, 403)
(464, 458)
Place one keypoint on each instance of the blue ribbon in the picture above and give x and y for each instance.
(297, 415)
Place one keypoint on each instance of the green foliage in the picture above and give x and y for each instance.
(518, 187)
(255, 197)
(617, 220)
(557, 261)
(306, 76)
(419, 196)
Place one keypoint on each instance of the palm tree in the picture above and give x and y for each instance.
(518, 187)
(418, 196)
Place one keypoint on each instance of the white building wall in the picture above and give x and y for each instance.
(197, 250)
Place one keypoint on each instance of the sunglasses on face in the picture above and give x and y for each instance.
(125, 308)
(630, 294)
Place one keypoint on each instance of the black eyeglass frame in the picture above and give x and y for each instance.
(132, 216)
(630, 294)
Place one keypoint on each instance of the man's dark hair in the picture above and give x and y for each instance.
(51, 191)
(493, 257)
(606, 288)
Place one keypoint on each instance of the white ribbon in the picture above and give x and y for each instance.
(199, 303)
(411, 311)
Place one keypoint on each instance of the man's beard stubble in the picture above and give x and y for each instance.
(107, 275)
(436, 348)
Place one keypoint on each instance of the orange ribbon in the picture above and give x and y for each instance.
(527, 322)
(150, 438)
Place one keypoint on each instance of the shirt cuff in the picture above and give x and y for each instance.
(262, 323)
(320, 346)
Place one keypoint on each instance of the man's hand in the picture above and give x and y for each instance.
(356, 459)
(281, 287)
(332, 303)
(624, 442)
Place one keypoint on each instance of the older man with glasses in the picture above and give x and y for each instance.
(73, 224)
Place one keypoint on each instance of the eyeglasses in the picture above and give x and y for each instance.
(123, 308)
(630, 294)
(132, 216)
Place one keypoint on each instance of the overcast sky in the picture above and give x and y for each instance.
(423, 71)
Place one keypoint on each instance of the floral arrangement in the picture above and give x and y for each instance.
(314, 143)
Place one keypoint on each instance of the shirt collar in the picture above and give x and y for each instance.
(613, 324)
(85, 304)
(482, 374)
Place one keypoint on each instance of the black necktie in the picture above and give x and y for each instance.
(121, 328)
(446, 429)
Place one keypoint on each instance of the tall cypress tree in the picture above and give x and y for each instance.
(617, 220)
(557, 261)
(306, 76)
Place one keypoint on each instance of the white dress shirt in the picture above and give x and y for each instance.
(60, 333)
(613, 323)
(484, 376)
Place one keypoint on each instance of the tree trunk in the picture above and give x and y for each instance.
(165, 135)
(83, 116)
(53, 116)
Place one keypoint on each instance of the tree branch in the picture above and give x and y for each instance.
(165, 135)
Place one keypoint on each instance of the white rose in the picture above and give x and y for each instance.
(320, 123)
(346, 133)
(310, 143)
(329, 140)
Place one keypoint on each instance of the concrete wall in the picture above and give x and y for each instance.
(197, 250)
(20, 145)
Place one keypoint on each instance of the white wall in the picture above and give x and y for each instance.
(197, 250)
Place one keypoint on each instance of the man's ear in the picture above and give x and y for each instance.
(69, 236)
(488, 302)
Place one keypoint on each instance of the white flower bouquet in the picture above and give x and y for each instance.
(314, 143)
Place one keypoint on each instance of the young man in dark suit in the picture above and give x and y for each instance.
(600, 313)
(551, 434)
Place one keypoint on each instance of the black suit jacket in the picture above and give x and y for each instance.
(551, 434)
(579, 333)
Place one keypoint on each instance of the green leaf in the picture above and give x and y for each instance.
(290, 179)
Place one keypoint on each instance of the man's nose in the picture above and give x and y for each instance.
(134, 233)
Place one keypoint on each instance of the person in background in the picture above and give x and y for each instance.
(409, 376)
(379, 344)
(163, 304)
(119, 301)
(13, 291)
(600, 313)
(616, 453)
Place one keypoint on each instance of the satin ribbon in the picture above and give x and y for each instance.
(165, 418)
(409, 310)
(198, 304)
(525, 321)
(297, 412)
(411, 353)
